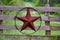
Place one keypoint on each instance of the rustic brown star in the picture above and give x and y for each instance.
(28, 21)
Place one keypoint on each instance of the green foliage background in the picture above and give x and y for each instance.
(30, 3)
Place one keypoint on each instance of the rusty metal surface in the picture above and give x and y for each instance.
(28, 19)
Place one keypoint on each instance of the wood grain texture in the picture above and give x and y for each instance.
(12, 27)
(44, 18)
(40, 9)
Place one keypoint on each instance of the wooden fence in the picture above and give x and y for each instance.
(45, 18)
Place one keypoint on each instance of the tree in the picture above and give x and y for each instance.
(7, 2)
(40, 2)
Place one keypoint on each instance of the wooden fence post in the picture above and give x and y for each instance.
(1, 30)
(58, 37)
(47, 23)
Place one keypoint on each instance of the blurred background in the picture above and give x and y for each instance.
(29, 3)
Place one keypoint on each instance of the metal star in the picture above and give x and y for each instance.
(28, 21)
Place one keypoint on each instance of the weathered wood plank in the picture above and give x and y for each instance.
(56, 18)
(47, 32)
(20, 35)
(6, 17)
(1, 30)
(44, 18)
(41, 9)
(12, 27)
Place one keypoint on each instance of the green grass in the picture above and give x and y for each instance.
(37, 23)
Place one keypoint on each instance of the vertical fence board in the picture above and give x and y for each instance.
(1, 30)
(58, 37)
(47, 23)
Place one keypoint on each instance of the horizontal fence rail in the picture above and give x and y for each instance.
(29, 35)
(44, 18)
(40, 9)
(12, 27)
